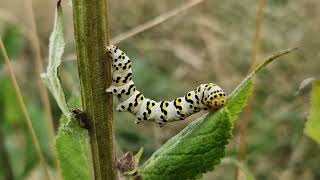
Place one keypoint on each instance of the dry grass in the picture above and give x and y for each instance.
(154, 22)
(44, 97)
(24, 110)
(244, 123)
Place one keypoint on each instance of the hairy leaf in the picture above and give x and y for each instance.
(56, 48)
(312, 127)
(72, 145)
(72, 141)
(72, 150)
(201, 145)
(238, 98)
(194, 150)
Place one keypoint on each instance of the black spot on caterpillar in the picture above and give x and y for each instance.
(205, 97)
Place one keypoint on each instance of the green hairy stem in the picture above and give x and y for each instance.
(94, 66)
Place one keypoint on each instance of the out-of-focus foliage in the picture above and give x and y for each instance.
(12, 39)
(312, 127)
(8, 101)
(248, 174)
(17, 140)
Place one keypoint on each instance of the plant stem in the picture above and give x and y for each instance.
(248, 110)
(94, 67)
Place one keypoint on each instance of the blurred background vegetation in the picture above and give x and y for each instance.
(211, 42)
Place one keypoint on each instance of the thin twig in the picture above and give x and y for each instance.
(24, 110)
(35, 46)
(247, 113)
(158, 20)
(145, 26)
(257, 39)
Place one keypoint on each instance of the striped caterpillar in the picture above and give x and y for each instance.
(204, 97)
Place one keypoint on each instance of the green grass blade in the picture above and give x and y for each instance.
(312, 126)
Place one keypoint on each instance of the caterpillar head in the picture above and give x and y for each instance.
(120, 61)
(216, 97)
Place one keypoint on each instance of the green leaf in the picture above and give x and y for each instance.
(72, 150)
(238, 98)
(201, 145)
(195, 150)
(56, 48)
(137, 157)
(312, 126)
(72, 140)
(72, 145)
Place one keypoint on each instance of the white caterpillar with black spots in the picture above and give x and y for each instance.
(205, 97)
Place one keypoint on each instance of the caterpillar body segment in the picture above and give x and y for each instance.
(205, 97)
